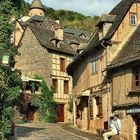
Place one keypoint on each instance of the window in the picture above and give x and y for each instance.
(62, 64)
(55, 85)
(31, 86)
(136, 78)
(94, 64)
(66, 87)
(99, 104)
(133, 19)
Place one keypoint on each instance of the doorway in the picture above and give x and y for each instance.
(30, 112)
(60, 113)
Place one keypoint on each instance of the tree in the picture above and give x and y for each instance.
(9, 78)
(45, 103)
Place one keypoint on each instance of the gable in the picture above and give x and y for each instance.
(120, 11)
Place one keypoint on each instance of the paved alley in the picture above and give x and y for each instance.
(41, 131)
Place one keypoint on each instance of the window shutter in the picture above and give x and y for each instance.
(136, 78)
(55, 85)
(66, 87)
(62, 64)
(100, 107)
(90, 109)
(99, 104)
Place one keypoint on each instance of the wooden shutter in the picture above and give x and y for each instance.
(66, 87)
(100, 107)
(62, 64)
(136, 78)
(55, 85)
(90, 109)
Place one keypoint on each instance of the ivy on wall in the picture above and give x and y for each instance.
(10, 80)
(45, 103)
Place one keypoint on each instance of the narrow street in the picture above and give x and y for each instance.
(41, 131)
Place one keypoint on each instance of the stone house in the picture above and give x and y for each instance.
(92, 89)
(45, 50)
(125, 79)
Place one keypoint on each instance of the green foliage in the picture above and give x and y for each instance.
(9, 78)
(73, 20)
(70, 109)
(45, 103)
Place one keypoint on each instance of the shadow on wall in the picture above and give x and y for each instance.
(79, 69)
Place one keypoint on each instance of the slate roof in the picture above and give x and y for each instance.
(77, 32)
(68, 38)
(120, 11)
(37, 4)
(50, 24)
(44, 37)
(129, 53)
(37, 18)
(44, 22)
(94, 41)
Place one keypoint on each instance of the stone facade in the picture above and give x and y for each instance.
(32, 58)
(41, 44)
(34, 12)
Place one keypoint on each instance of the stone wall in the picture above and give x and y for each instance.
(33, 59)
(34, 12)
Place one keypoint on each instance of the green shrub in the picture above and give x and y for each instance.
(45, 103)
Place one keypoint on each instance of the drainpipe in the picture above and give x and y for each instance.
(108, 90)
(74, 112)
(102, 43)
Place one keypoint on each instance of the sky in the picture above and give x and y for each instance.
(86, 7)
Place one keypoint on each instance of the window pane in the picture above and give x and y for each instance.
(66, 87)
(94, 64)
(133, 19)
(136, 77)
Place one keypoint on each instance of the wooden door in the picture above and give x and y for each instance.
(30, 115)
(60, 113)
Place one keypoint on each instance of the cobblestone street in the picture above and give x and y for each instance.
(41, 131)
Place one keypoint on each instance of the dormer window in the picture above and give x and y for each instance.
(94, 61)
(133, 19)
(56, 42)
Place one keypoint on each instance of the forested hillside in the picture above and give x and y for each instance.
(71, 19)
